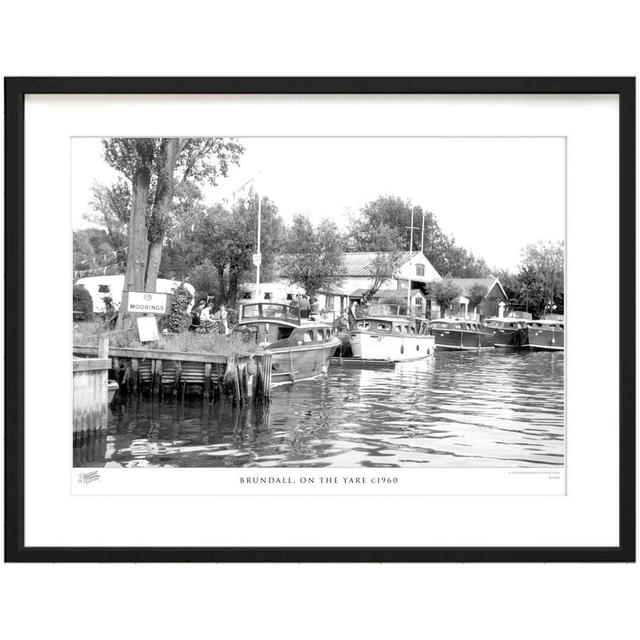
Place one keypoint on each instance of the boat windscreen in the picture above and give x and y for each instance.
(275, 311)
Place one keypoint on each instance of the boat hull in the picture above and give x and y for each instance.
(541, 339)
(460, 340)
(396, 348)
(505, 338)
(304, 362)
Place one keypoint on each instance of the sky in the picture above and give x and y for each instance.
(494, 195)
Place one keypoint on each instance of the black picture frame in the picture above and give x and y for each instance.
(15, 91)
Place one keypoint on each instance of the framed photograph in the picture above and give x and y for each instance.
(320, 319)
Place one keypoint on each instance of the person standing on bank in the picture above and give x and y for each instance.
(314, 310)
(222, 317)
(195, 315)
(304, 307)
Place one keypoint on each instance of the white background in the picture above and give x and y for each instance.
(463, 38)
(586, 516)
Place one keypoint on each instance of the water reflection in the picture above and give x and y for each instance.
(456, 409)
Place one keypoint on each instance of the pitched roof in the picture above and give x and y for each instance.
(466, 283)
(362, 263)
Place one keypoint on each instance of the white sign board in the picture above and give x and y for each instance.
(257, 259)
(148, 329)
(142, 302)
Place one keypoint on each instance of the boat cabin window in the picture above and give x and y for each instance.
(307, 336)
(284, 332)
(398, 328)
(383, 326)
(457, 326)
(405, 328)
(319, 335)
(412, 329)
(363, 325)
(439, 325)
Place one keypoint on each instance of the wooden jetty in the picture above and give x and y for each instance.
(151, 371)
(90, 391)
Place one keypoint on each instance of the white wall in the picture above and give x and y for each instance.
(408, 269)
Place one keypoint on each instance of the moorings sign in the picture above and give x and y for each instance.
(144, 302)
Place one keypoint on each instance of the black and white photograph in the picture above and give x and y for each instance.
(314, 302)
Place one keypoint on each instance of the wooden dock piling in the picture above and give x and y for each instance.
(157, 372)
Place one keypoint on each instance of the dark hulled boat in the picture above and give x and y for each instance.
(505, 331)
(545, 334)
(300, 349)
(461, 335)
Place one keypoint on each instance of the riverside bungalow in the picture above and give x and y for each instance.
(403, 270)
(391, 272)
(490, 305)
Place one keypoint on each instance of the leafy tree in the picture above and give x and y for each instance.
(212, 247)
(157, 168)
(476, 294)
(540, 280)
(394, 213)
(205, 280)
(388, 244)
(89, 249)
(111, 206)
(315, 255)
(444, 292)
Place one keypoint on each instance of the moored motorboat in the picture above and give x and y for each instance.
(545, 334)
(505, 331)
(300, 349)
(459, 334)
(390, 338)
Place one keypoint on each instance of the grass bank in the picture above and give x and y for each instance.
(87, 333)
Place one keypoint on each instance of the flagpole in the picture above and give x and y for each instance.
(410, 256)
(259, 232)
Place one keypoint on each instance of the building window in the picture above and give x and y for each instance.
(419, 269)
(289, 296)
(104, 288)
(268, 296)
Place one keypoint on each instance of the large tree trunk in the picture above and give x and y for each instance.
(153, 266)
(137, 231)
(233, 289)
(221, 288)
(169, 148)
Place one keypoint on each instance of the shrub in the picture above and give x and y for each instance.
(177, 319)
(82, 303)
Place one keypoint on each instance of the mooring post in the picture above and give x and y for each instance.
(103, 347)
(207, 379)
(135, 375)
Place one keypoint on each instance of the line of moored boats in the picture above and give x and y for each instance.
(302, 348)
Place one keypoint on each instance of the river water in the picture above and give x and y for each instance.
(454, 409)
